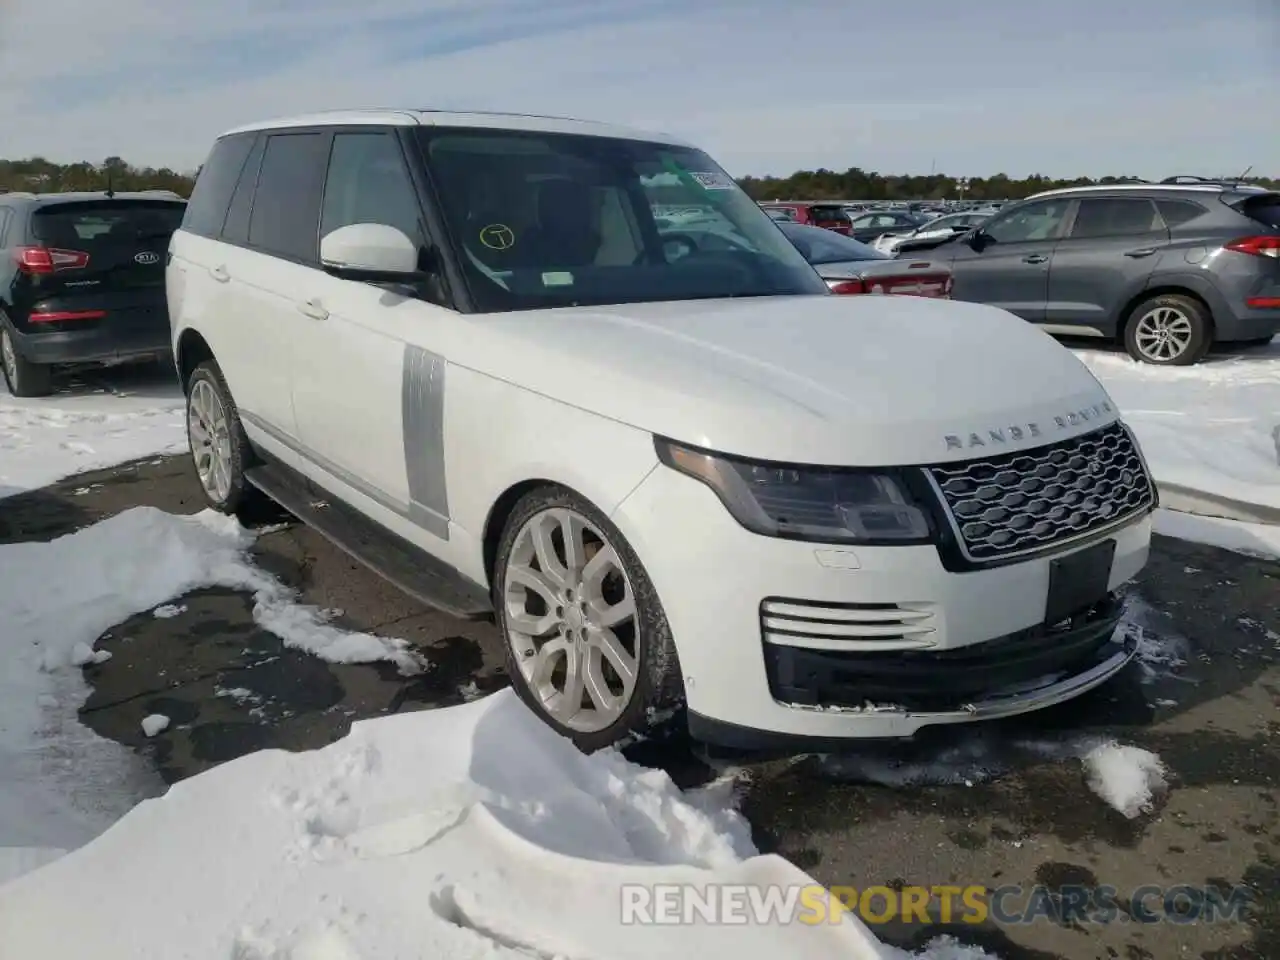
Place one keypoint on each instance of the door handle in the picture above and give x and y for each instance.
(219, 273)
(313, 309)
(1144, 252)
(1035, 258)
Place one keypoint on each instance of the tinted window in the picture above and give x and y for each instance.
(211, 194)
(236, 229)
(549, 220)
(1178, 212)
(828, 215)
(1115, 217)
(286, 205)
(368, 183)
(5, 219)
(124, 240)
(1035, 221)
(1264, 209)
(826, 246)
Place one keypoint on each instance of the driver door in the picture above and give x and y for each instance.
(1007, 265)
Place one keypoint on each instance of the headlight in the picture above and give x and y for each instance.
(825, 505)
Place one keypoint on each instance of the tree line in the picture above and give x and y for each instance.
(44, 176)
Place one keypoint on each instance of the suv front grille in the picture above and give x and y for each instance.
(1021, 502)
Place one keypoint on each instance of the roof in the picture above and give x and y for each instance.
(1152, 188)
(443, 118)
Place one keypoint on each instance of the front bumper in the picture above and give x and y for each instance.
(721, 587)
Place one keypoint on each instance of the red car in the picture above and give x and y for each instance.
(829, 216)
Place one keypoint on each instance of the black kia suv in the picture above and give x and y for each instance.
(82, 281)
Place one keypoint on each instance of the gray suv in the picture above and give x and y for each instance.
(1167, 268)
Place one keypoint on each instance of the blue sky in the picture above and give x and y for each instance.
(1143, 87)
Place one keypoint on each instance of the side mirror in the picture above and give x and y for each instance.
(370, 251)
(977, 239)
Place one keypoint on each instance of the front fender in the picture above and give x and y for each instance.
(498, 435)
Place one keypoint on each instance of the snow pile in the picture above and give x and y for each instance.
(154, 724)
(60, 785)
(1250, 539)
(1211, 427)
(44, 439)
(463, 832)
(1126, 777)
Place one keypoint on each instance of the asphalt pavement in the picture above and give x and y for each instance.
(997, 805)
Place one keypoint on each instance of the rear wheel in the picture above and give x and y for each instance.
(1169, 330)
(220, 450)
(24, 378)
(587, 642)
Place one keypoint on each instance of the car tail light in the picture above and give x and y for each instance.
(1263, 303)
(58, 316)
(49, 260)
(847, 286)
(1257, 246)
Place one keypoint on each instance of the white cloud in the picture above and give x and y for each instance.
(766, 86)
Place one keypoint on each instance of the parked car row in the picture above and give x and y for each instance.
(1167, 269)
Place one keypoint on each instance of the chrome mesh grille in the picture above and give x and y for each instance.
(1018, 502)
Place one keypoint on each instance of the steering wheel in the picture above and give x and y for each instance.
(677, 246)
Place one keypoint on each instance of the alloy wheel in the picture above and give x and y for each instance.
(1163, 334)
(570, 615)
(210, 437)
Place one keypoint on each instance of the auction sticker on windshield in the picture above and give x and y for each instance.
(713, 181)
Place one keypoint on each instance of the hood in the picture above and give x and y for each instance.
(858, 381)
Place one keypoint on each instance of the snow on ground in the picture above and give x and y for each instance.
(116, 416)
(1213, 427)
(1125, 777)
(1252, 539)
(466, 832)
(60, 785)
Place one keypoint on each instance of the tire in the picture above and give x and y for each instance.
(657, 693)
(1187, 330)
(207, 393)
(24, 378)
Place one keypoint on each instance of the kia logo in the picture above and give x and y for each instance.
(147, 257)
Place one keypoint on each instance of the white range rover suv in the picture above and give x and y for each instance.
(685, 485)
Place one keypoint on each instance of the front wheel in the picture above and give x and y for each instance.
(220, 450)
(1169, 330)
(587, 643)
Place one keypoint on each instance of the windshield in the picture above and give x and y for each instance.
(820, 246)
(551, 220)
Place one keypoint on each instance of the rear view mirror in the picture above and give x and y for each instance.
(976, 238)
(370, 251)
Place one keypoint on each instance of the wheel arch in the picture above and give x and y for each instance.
(1176, 288)
(191, 351)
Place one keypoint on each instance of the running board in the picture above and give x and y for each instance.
(393, 558)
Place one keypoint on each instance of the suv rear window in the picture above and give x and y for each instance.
(114, 225)
(1264, 208)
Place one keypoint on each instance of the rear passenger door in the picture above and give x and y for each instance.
(368, 385)
(1103, 262)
